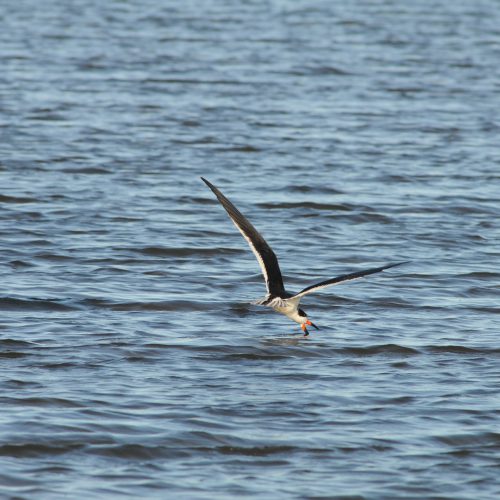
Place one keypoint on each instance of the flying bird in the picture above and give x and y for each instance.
(277, 297)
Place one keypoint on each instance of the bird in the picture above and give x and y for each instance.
(277, 297)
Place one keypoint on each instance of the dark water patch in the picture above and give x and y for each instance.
(19, 264)
(193, 142)
(123, 270)
(395, 401)
(21, 384)
(15, 343)
(255, 451)
(191, 81)
(326, 71)
(61, 365)
(254, 356)
(342, 497)
(26, 243)
(290, 347)
(32, 215)
(339, 207)
(13, 354)
(405, 91)
(87, 170)
(488, 310)
(55, 117)
(188, 200)
(52, 469)
(471, 209)
(232, 353)
(384, 349)
(460, 349)
(17, 199)
(14, 304)
(241, 309)
(53, 257)
(480, 291)
(185, 252)
(122, 218)
(481, 440)
(41, 402)
(401, 365)
(166, 305)
(246, 148)
(313, 188)
(65, 159)
(139, 452)
(35, 450)
(191, 123)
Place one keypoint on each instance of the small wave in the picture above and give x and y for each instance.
(460, 349)
(195, 200)
(305, 188)
(371, 217)
(20, 263)
(53, 257)
(15, 343)
(139, 451)
(481, 275)
(17, 199)
(43, 402)
(184, 252)
(254, 451)
(13, 354)
(489, 310)
(86, 170)
(246, 148)
(344, 207)
(483, 439)
(317, 71)
(166, 305)
(391, 349)
(255, 356)
(31, 450)
(11, 304)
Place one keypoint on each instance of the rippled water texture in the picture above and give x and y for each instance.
(353, 134)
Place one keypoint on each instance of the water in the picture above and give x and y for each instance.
(352, 134)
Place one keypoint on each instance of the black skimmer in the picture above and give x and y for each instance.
(277, 297)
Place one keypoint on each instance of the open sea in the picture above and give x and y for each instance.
(352, 134)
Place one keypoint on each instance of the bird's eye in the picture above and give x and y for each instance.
(302, 313)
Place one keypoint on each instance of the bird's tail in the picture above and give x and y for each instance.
(270, 301)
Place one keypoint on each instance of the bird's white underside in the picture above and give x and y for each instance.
(257, 254)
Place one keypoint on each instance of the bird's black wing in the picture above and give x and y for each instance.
(265, 256)
(343, 278)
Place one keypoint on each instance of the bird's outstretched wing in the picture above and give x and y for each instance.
(265, 256)
(343, 278)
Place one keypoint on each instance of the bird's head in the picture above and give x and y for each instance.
(305, 322)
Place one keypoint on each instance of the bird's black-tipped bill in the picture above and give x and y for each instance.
(310, 323)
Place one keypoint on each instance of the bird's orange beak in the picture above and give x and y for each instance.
(310, 323)
(304, 329)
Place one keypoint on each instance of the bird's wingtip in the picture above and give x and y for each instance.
(208, 183)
